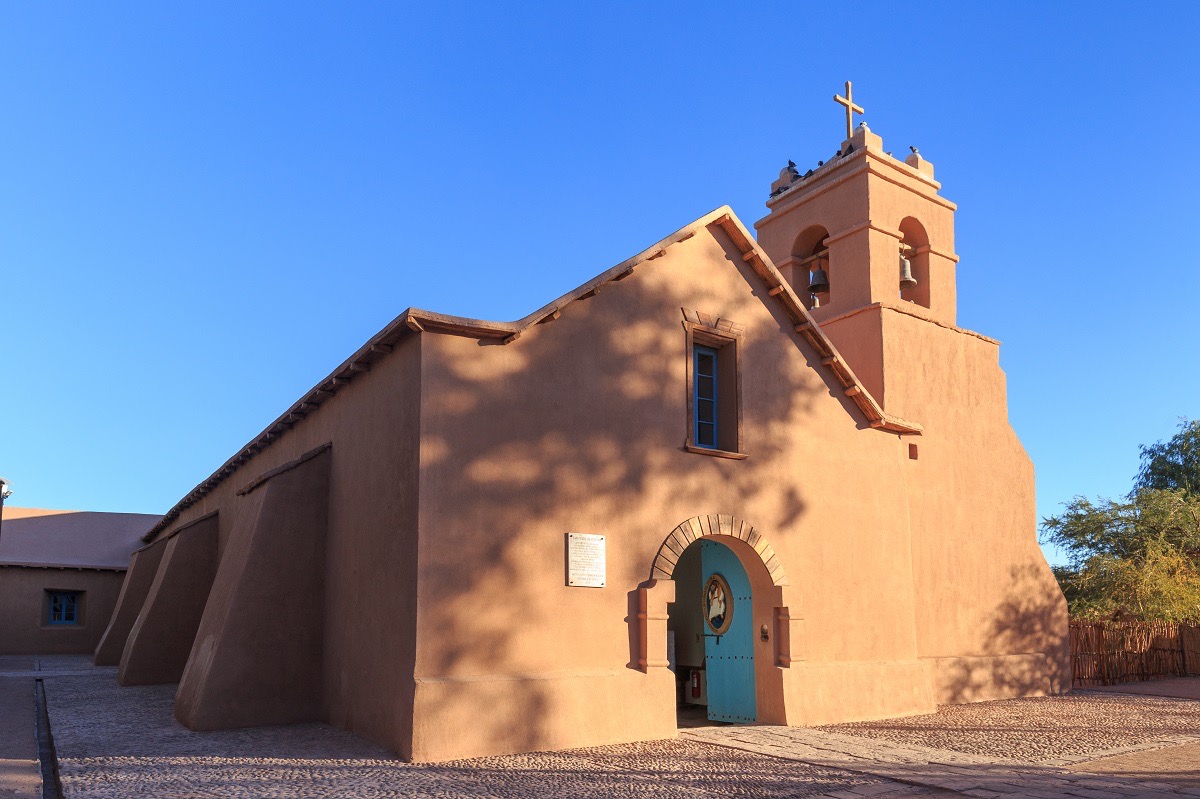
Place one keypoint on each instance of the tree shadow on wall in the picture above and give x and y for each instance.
(1027, 632)
(578, 426)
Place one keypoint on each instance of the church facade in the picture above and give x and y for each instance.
(766, 476)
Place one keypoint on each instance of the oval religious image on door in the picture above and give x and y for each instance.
(718, 604)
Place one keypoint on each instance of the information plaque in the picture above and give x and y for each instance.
(585, 560)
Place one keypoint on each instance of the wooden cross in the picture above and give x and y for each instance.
(851, 109)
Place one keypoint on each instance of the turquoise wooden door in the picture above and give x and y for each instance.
(728, 655)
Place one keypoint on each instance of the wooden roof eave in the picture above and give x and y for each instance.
(378, 346)
(808, 328)
(411, 321)
(511, 331)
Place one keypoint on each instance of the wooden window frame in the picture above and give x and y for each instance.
(728, 344)
(75, 604)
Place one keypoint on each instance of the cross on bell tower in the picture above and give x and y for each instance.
(851, 109)
(867, 243)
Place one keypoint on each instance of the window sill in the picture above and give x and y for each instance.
(716, 453)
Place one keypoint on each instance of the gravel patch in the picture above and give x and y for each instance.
(122, 742)
(1047, 730)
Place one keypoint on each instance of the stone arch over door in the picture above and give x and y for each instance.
(772, 595)
(711, 526)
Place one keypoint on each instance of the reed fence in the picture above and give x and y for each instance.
(1111, 652)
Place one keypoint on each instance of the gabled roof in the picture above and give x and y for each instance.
(807, 327)
(416, 320)
(71, 539)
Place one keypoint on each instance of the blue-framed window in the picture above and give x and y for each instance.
(64, 607)
(705, 393)
(714, 403)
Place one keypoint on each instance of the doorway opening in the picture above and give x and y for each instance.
(711, 638)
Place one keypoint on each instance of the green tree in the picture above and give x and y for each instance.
(1139, 555)
(1175, 463)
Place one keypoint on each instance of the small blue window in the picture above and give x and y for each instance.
(64, 607)
(704, 368)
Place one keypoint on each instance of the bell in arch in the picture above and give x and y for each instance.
(818, 282)
(907, 281)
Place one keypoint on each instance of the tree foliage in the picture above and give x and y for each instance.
(1175, 463)
(1140, 555)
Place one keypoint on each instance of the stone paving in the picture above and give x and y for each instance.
(19, 774)
(968, 774)
(1170, 763)
(1052, 730)
(123, 742)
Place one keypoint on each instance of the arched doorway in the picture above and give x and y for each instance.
(726, 623)
(713, 629)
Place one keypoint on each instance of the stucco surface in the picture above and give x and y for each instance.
(878, 607)
(367, 646)
(24, 612)
(56, 550)
(248, 666)
(617, 361)
(158, 644)
(139, 578)
(35, 536)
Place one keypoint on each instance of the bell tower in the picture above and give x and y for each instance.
(865, 240)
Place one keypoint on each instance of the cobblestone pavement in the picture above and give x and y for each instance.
(123, 742)
(1053, 730)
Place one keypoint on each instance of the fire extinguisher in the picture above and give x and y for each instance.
(695, 683)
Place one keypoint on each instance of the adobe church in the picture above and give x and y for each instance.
(765, 478)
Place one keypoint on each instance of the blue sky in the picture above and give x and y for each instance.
(204, 207)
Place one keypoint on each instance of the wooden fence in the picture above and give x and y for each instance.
(1111, 652)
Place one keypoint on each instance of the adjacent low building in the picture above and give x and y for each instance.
(60, 575)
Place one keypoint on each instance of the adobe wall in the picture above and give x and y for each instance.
(367, 647)
(991, 619)
(875, 187)
(991, 616)
(248, 667)
(143, 566)
(24, 627)
(578, 426)
(157, 647)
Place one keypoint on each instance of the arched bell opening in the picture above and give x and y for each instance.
(810, 269)
(914, 262)
(727, 629)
